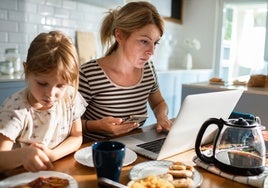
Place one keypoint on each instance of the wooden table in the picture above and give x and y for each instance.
(86, 176)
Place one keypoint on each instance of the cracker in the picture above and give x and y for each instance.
(177, 167)
(181, 173)
(183, 182)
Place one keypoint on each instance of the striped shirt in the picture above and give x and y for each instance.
(105, 98)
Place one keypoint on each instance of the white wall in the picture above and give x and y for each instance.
(22, 20)
(199, 22)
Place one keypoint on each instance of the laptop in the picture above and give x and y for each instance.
(194, 111)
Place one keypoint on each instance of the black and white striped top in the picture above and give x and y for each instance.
(105, 98)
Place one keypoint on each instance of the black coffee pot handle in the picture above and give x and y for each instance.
(206, 124)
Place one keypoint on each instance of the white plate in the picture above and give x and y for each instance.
(30, 176)
(84, 156)
(145, 169)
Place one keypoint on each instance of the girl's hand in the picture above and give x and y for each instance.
(35, 159)
(46, 150)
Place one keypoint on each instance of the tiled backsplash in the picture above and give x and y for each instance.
(22, 20)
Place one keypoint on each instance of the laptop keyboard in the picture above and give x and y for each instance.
(153, 146)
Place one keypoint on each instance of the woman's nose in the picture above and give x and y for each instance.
(150, 50)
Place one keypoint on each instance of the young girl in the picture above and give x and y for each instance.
(41, 123)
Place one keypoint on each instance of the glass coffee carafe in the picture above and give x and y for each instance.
(238, 146)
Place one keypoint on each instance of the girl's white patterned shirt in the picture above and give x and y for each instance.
(23, 124)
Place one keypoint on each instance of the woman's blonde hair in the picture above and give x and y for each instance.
(129, 18)
(53, 51)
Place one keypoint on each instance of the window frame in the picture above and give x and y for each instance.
(218, 36)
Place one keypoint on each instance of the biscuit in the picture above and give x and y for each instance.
(215, 79)
(257, 80)
(166, 176)
(177, 167)
(181, 173)
(183, 182)
(189, 167)
(178, 163)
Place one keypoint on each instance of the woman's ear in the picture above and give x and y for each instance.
(118, 35)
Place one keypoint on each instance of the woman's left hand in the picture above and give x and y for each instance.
(163, 124)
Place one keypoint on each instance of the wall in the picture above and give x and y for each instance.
(199, 22)
(22, 20)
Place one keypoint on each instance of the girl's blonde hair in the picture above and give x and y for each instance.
(131, 17)
(53, 51)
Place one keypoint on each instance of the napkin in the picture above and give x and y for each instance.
(256, 181)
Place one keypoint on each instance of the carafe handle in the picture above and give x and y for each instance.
(206, 124)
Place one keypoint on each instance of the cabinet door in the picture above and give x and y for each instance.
(8, 88)
(177, 96)
(166, 83)
(204, 76)
(186, 78)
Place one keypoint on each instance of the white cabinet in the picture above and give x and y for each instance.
(170, 83)
(9, 87)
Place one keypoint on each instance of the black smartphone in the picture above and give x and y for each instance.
(135, 118)
(108, 183)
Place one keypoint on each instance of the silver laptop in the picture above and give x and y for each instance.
(194, 111)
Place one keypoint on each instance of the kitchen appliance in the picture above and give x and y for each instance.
(6, 67)
(12, 55)
(238, 147)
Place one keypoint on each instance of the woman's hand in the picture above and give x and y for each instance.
(35, 159)
(160, 110)
(116, 126)
(163, 124)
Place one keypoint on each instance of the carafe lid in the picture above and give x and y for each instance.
(241, 122)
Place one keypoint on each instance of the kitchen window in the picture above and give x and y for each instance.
(242, 32)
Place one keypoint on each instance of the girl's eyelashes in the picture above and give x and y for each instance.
(42, 83)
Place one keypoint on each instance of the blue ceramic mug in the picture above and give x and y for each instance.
(108, 157)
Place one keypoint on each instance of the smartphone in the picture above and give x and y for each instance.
(108, 183)
(136, 118)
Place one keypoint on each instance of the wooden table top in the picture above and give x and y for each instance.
(86, 176)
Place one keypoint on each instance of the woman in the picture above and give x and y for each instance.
(124, 80)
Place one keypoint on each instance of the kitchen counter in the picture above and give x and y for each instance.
(227, 86)
(183, 70)
(254, 100)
